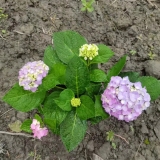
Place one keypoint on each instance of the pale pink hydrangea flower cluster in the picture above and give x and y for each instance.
(125, 100)
(31, 75)
(37, 130)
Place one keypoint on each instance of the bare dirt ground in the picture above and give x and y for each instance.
(128, 26)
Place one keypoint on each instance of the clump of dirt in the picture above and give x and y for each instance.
(128, 27)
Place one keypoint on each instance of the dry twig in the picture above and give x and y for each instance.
(16, 134)
(121, 138)
(5, 112)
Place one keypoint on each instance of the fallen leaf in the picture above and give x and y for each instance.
(16, 126)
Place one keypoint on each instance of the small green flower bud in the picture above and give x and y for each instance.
(75, 102)
(88, 51)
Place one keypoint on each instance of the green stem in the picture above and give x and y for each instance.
(59, 87)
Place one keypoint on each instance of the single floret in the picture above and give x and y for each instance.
(125, 100)
(31, 75)
(37, 130)
(88, 51)
(75, 102)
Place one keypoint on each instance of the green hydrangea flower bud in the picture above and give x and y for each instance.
(75, 102)
(88, 51)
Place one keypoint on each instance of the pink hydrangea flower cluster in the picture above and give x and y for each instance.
(31, 75)
(37, 130)
(125, 100)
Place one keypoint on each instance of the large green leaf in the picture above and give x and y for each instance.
(133, 76)
(23, 100)
(59, 70)
(67, 44)
(56, 76)
(72, 131)
(50, 57)
(116, 69)
(93, 89)
(64, 100)
(86, 110)
(98, 75)
(99, 111)
(77, 75)
(52, 113)
(104, 54)
(49, 82)
(26, 126)
(152, 85)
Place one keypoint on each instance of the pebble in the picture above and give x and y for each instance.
(157, 151)
(157, 130)
(28, 28)
(104, 150)
(90, 145)
(152, 68)
(1, 65)
(139, 157)
(144, 128)
(22, 115)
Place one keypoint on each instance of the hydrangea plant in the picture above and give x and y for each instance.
(67, 89)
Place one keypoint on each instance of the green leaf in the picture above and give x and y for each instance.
(86, 110)
(52, 125)
(104, 54)
(133, 76)
(99, 111)
(49, 82)
(116, 69)
(15, 126)
(26, 126)
(96, 120)
(83, 9)
(50, 57)
(23, 100)
(64, 100)
(93, 89)
(98, 75)
(152, 85)
(38, 118)
(67, 44)
(77, 75)
(52, 113)
(91, 2)
(72, 131)
(90, 9)
(59, 71)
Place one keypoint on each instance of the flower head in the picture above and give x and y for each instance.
(37, 130)
(31, 75)
(75, 102)
(88, 51)
(125, 100)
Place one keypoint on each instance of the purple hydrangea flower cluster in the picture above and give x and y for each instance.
(125, 100)
(31, 75)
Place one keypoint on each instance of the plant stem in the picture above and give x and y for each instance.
(121, 138)
(16, 134)
(59, 87)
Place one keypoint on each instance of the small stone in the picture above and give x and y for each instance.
(140, 157)
(22, 115)
(157, 151)
(25, 18)
(28, 28)
(1, 65)
(104, 150)
(152, 68)
(144, 128)
(157, 130)
(5, 84)
(90, 145)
